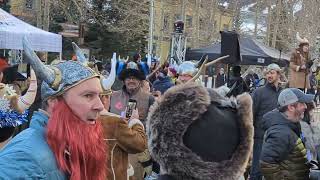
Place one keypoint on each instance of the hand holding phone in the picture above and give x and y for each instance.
(132, 105)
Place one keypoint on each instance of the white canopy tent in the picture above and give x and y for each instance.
(12, 31)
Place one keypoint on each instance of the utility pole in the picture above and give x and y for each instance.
(151, 25)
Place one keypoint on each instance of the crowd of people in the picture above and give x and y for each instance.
(73, 120)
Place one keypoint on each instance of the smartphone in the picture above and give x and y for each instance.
(132, 104)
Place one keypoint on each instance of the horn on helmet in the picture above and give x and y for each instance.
(205, 65)
(42, 71)
(79, 53)
(301, 40)
(25, 101)
(108, 82)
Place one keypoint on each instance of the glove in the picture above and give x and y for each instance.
(146, 162)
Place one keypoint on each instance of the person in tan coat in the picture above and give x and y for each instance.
(299, 63)
(123, 136)
(132, 77)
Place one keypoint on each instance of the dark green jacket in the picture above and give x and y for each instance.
(283, 155)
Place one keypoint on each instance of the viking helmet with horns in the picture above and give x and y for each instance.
(64, 75)
(188, 68)
(105, 82)
(302, 41)
(57, 78)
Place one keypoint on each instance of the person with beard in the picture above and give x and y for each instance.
(299, 65)
(283, 154)
(265, 99)
(132, 76)
(122, 135)
(66, 141)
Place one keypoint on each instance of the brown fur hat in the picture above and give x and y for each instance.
(180, 108)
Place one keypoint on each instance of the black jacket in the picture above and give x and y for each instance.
(265, 99)
(237, 86)
(220, 80)
(280, 138)
(162, 84)
(283, 154)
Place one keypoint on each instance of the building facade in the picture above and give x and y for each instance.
(203, 22)
(35, 12)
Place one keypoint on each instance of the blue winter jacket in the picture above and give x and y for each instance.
(162, 84)
(28, 156)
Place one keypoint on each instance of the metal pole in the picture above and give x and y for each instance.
(185, 48)
(183, 10)
(150, 48)
(172, 49)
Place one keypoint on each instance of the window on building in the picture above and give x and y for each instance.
(189, 21)
(29, 4)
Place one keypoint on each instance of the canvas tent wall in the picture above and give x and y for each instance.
(252, 51)
(12, 31)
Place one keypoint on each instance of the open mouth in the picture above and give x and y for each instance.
(91, 121)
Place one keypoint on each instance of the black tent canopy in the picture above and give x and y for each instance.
(252, 52)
